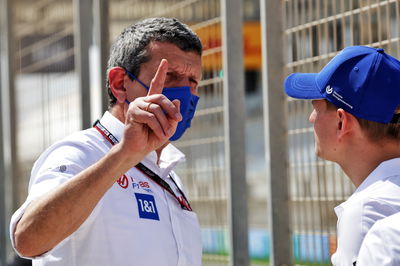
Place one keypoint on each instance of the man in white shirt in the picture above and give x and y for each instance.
(108, 195)
(381, 245)
(355, 117)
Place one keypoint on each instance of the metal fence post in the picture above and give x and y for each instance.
(234, 123)
(3, 226)
(82, 39)
(275, 132)
(101, 39)
(2, 170)
(7, 128)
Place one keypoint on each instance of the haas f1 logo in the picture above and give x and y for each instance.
(123, 181)
(142, 185)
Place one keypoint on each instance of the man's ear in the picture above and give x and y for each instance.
(345, 123)
(116, 77)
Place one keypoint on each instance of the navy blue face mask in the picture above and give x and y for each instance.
(188, 104)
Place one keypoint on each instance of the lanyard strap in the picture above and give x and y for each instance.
(145, 170)
(161, 182)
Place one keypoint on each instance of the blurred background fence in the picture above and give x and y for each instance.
(252, 176)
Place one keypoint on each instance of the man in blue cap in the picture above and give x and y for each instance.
(356, 124)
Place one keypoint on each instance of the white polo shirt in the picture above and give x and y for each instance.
(381, 245)
(376, 198)
(136, 222)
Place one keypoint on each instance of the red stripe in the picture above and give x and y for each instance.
(104, 135)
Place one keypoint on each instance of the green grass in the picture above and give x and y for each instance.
(209, 259)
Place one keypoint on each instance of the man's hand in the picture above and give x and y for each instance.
(151, 120)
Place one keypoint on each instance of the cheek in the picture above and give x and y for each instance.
(321, 131)
(324, 135)
(135, 92)
(194, 90)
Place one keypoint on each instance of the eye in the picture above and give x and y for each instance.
(171, 76)
(193, 81)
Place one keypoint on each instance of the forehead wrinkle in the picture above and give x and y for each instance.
(183, 70)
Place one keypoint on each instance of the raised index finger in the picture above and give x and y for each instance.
(157, 83)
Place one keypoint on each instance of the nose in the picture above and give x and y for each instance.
(312, 117)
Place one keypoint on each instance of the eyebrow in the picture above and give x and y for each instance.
(175, 71)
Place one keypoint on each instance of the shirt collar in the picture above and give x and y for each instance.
(113, 125)
(170, 155)
(384, 170)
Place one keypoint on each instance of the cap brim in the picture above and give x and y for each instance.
(302, 86)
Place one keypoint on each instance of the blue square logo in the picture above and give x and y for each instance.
(147, 206)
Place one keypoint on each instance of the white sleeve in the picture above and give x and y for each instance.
(354, 224)
(381, 245)
(54, 167)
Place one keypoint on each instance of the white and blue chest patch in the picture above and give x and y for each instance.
(147, 206)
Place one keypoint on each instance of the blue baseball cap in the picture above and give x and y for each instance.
(363, 81)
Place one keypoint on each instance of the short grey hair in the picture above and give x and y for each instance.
(129, 50)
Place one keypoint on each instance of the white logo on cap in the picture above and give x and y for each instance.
(328, 89)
